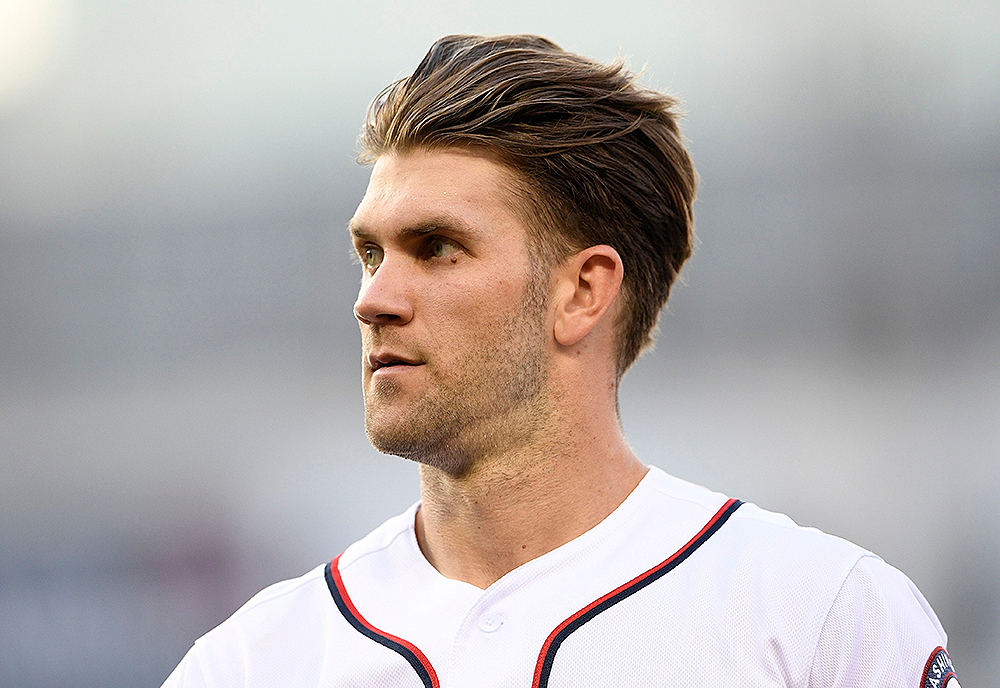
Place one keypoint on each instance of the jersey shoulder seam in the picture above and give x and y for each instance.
(863, 554)
(276, 591)
(703, 505)
(370, 550)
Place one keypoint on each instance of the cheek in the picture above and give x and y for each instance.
(464, 319)
(476, 299)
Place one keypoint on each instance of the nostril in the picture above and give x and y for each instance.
(376, 318)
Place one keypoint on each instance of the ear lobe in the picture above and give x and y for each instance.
(589, 285)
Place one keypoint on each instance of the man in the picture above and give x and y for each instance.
(527, 213)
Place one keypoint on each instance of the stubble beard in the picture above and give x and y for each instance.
(497, 402)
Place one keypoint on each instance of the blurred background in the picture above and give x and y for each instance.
(180, 412)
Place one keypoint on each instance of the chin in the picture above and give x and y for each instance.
(437, 450)
(428, 435)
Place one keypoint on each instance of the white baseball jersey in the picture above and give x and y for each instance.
(679, 586)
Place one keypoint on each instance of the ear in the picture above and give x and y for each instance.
(588, 284)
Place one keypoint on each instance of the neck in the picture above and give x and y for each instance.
(512, 508)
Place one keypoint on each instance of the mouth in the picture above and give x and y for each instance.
(388, 360)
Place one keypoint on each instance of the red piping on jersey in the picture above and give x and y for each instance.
(546, 656)
(352, 611)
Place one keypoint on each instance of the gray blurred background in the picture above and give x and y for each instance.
(180, 416)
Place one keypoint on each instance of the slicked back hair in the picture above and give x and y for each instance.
(600, 158)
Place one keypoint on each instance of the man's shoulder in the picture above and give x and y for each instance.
(276, 618)
(295, 596)
(276, 601)
(773, 533)
(768, 596)
(778, 535)
(755, 554)
(292, 618)
(776, 554)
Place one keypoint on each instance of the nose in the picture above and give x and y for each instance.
(384, 298)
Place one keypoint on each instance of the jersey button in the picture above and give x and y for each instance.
(489, 623)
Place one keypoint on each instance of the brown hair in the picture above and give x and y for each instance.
(601, 157)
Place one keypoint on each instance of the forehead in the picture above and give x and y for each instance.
(420, 187)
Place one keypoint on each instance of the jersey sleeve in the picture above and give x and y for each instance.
(880, 632)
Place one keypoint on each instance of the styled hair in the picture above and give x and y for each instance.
(599, 158)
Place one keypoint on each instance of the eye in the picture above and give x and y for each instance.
(439, 247)
(371, 256)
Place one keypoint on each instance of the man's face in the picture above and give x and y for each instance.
(452, 310)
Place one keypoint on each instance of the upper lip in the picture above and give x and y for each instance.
(388, 358)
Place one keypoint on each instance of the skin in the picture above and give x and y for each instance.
(495, 372)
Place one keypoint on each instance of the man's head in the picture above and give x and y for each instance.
(597, 159)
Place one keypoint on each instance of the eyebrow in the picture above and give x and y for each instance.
(444, 224)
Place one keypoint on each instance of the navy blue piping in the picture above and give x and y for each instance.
(379, 638)
(653, 575)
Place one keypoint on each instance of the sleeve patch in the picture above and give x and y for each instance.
(938, 672)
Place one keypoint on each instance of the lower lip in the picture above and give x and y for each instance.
(394, 370)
